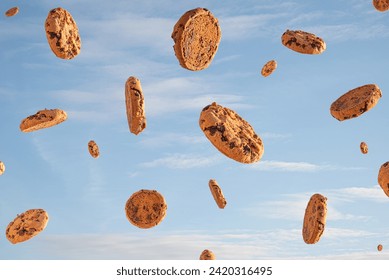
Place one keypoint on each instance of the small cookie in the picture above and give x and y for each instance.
(2, 168)
(27, 225)
(217, 193)
(196, 38)
(207, 255)
(146, 208)
(355, 102)
(364, 148)
(93, 149)
(383, 177)
(11, 12)
(62, 34)
(303, 42)
(314, 219)
(269, 68)
(43, 119)
(230, 134)
(381, 5)
(379, 247)
(135, 105)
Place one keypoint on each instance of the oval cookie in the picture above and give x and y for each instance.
(379, 247)
(217, 194)
(27, 225)
(2, 168)
(269, 68)
(383, 177)
(146, 208)
(62, 34)
(364, 148)
(207, 255)
(314, 219)
(135, 105)
(355, 102)
(93, 149)
(196, 38)
(43, 119)
(231, 134)
(303, 42)
(11, 12)
(381, 5)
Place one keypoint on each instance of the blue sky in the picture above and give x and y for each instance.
(307, 151)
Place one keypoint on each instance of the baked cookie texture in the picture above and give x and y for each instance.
(196, 37)
(207, 255)
(93, 149)
(135, 105)
(383, 177)
(62, 34)
(269, 68)
(2, 168)
(380, 247)
(217, 193)
(27, 225)
(314, 219)
(381, 5)
(355, 102)
(364, 148)
(231, 134)
(146, 208)
(11, 12)
(303, 42)
(43, 119)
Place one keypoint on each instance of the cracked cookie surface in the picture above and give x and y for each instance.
(93, 149)
(314, 219)
(364, 148)
(383, 177)
(207, 255)
(303, 42)
(381, 5)
(217, 193)
(43, 119)
(135, 105)
(269, 68)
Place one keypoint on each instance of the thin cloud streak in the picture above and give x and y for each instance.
(290, 166)
(182, 161)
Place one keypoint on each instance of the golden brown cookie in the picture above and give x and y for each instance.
(62, 34)
(379, 247)
(146, 208)
(364, 148)
(230, 134)
(27, 225)
(11, 12)
(217, 193)
(381, 5)
(269, 68)
(355, 102)
(383, 177)
(314, 219)
(303, 42)
(207, 255)
(43, 119)
(196, 38)
(93, 149)
(135, 105)
(2, 168)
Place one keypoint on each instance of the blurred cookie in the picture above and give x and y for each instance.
(230, 134)
(207, 255)
(381, 5)
(43, 119)
(27, 225)
(11, 12)
(93, 149)
(314, 219)
(196, 38)
(135, 105)
(383, 177)
(62, 34)
(2, 168)
(364, 148)
(146, 208)
(303, 42)
(355, 102)
(379, 247)
(217, 193)
(269, 68)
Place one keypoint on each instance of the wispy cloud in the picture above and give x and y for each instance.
(290, 166)
(275, 136)
(182, 161)
(171, 139)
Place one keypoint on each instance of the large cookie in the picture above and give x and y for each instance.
(62, 34)
(196, 38)
(11, 12)
(93, 149)
(303, 42)
(207, 255)
(43, 119)
(315, 219)
(27, 225)
(2, 168)
(355, 102)
(230, 134)
(135, 105)
(383, 177)
(217, 193)
(381, 5)
(146, 208)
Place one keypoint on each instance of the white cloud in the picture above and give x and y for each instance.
(272, 165)
(171, 139)
(182, 161)
(374, 193)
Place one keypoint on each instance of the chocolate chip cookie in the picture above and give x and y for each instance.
(207, 255)
(269, 68)
(2, 168)
(303, 42)
(380, 247)
(383, 177)
(93, 149)
(364, 148)
(314, 219)
(135, 105)
(43, 119)
(217, 193)
(381, 5)
(11, 12)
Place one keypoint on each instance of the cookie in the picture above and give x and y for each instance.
(269, 68)
(231, 134)
(314, 219)
(27, 225)
(379, 247)
(364, 148)
(93, 149)
(217, 193)
(355, 102)
(381, 5)
(11, 12)
(383, 177)
(2, 168)
(196, 37)
(303, 42)
(135, 105)
(62, 34)
(43, 119)
(146, 208)
(207, 255)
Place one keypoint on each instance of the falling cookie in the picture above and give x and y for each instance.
(196, 38)
(364, 148)
(381, 5)
(314, 219)
(2, 168)
(93, 149)
(379, 247)
(11, 12)
(303, 42)
(383, 177)
(217, 193)
(135, 105)
(207, 255)
(43, 119)
(269, 68)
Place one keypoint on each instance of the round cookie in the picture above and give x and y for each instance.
(383, 177)
(196, 38)
(145, 208)
(11, 12)
(135, 105)
(43, 119)
(93, 149)
(62, 34)
(2, 168)
(269, 68)
(27, 225)
(381, 5)
(217, 193)
(364, 148)
(230, 134)
(314, 219)
(379, 247)
(207, 255)
(303, 42)
(355, 102)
